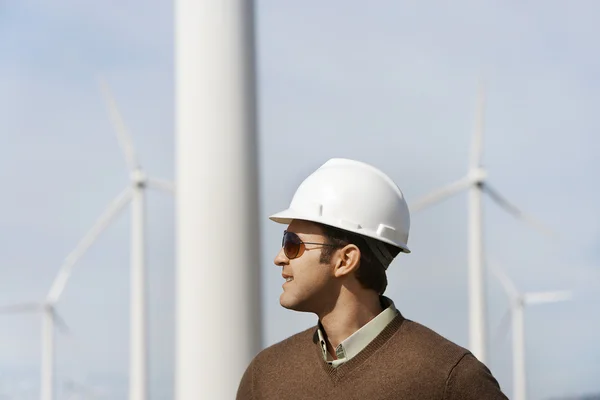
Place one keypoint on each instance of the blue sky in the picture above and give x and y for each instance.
(392, 85)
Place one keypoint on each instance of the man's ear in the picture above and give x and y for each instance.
(347, 260)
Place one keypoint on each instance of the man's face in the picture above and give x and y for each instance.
(310, 285)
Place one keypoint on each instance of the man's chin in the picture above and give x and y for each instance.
(286, 303)
(290, 304)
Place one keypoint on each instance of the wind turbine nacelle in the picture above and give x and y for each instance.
(477, 175)
(138, 178)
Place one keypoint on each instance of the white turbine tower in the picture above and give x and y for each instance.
(218, 263)
(476, 183)
(518, 301)
(134, 193)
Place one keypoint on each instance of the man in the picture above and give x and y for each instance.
(346, 223)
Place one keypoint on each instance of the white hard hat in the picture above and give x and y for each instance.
(353, 196)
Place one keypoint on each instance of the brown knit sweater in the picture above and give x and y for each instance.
(406, 361)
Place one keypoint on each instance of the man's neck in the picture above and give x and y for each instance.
(347, 317)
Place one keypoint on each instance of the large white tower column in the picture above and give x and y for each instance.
(218, 324)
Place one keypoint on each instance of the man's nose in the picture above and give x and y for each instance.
(281, 259)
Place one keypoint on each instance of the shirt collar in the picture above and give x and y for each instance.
(356, 342)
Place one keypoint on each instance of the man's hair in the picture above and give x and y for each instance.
(370, 273)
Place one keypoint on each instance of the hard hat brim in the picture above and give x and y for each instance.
(287, 216)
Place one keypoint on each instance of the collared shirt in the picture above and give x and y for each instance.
(356, 342)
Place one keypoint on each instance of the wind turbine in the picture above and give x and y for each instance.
(134, 193)
(47, 307)
(138, 368)
(476, 183)
(518, 301)
(49, 317)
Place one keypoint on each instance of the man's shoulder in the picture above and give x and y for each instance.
(293, 345)
(424, 341)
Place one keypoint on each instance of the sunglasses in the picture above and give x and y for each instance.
(293, 246)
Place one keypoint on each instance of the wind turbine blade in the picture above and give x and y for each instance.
(20, 308)
(507, 284)
(547, 297)
(84, 244)
(477, 141)
(161, 184)
(502, 329)
(122, 132)
(441, 194)
(60, 322)
(517, 213)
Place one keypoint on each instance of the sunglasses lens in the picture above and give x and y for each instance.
(291, 244)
